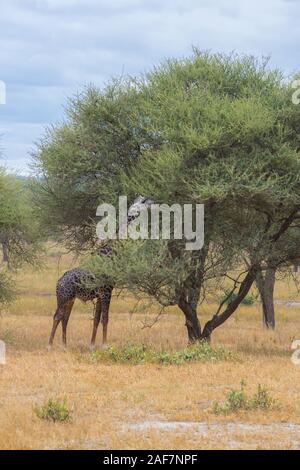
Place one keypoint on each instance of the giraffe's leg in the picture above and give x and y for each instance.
(65, 319)
(96, 322)
(105, 312)
(56, 320)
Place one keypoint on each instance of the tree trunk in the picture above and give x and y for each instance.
(5, 253)
(191, 319)
(220, 317)
(189, 292)
(265, 284)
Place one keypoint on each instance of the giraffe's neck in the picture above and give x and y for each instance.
(107, 247)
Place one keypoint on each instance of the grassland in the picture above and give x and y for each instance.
(143, 403)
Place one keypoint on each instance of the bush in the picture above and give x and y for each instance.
(201, 352)
(229, 296)
(140, 354)
(53, 410)
(130, 353)
(237, 400)
(262, 399)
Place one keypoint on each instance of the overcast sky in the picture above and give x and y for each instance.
(49, 49)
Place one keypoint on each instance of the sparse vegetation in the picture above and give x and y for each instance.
(106, 392)
(141, 354)
(53, 410)
(125, 380)
(201, 352)
(128, 354)
(238, 399)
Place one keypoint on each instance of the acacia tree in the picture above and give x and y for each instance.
(229, 139)
(212, 129)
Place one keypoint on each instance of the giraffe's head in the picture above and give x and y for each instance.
(139, 203)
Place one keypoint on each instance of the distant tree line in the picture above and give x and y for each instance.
(20, 231)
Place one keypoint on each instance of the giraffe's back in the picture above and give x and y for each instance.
(73, 284)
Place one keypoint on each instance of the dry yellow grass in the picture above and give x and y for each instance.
(122, 406)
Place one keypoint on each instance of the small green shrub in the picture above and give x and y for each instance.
(141, 354)
(200, 352)
(262, 399)
(237, 400)
(229, 296)
(128, 354)
(53, 410)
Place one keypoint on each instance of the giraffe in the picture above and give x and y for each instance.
(74, 285)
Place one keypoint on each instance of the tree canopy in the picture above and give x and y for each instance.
(78, 163)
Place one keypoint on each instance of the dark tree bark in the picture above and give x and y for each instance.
(188, 293)
(220, 317)
(192, 323)
(265, 284)
(5, 253)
